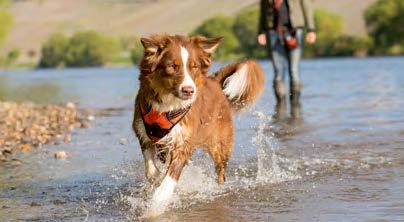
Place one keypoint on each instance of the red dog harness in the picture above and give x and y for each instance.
(159, 124)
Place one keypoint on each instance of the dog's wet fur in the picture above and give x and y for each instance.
(173, 75)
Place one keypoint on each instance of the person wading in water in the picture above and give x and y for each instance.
(281, 24)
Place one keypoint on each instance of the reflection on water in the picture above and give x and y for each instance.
(42, 92)
(343, 160)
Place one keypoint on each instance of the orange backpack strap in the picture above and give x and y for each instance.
(159, 124)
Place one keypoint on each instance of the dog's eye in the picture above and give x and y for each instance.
(171, 69)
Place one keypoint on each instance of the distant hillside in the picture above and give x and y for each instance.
(35, 20)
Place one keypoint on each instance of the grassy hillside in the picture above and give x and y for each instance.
(35, 20)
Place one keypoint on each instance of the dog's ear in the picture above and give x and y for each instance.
(149, 45)
(155, 44)
(206, 46)
(209, 45)
(153, 48)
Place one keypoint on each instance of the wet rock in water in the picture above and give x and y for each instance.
(6, 151)
(25, 126)
(70, 105)
(15, 162)
(110, 111)
(91, 117)
(35, 204)
(60, 155)
(85, 125)
(58, 202)
(26, 139)
(26, 147)
(123, 141)
(67, 138)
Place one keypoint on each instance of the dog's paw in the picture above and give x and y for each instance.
(161, 198)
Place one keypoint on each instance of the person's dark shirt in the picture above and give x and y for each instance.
(300, 15)
(282, 15)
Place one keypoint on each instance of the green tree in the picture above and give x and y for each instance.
(54, 51)
(128, 42)
(89, 48)
(329, 27)
(13, 55)
(245, 29)
(385, 22)
(31, 53)
(6, 20)
(220, 26)
(137, 51)
(351, 45)
(86, 48)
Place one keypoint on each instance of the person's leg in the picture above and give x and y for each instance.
(294, 74)
(279, 60)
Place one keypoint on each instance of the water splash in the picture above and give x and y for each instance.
(198, 180)
(269, 168)
(197, 184)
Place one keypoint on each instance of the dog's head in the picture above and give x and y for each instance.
(172, 66)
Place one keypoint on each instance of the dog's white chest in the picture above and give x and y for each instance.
(176, 137)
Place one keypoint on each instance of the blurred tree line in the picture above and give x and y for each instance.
(240, 36)
(85, 48)
(384, 20)
(6, 21)
(89, 48)
(330, 38)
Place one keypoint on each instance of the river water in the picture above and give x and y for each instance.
(343, 161)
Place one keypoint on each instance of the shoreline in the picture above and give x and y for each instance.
(26, 126)
(131, 65)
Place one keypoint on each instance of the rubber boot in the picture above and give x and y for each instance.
(280, 91)
(280, 110)
(295, 106)
(280, 95)
(296, 111)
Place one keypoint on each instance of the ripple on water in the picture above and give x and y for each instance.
(253, 180)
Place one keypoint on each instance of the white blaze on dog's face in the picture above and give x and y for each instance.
(187, 88)
(176, 65)
(175, 81)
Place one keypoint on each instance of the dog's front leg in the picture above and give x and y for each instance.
(162, 195)
(152, 172)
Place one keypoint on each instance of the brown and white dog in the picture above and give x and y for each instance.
(179, 108)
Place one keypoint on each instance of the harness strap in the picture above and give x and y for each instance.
(159, 124)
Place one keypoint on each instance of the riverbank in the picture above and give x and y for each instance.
(27, 126)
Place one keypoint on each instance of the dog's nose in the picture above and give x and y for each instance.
(187, 90)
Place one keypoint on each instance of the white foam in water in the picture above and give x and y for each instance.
(269, 170)
(135, 203)
(195, 179)
(197, 183)
(198, 180)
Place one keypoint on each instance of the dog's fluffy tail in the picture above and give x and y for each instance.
(242, 83)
